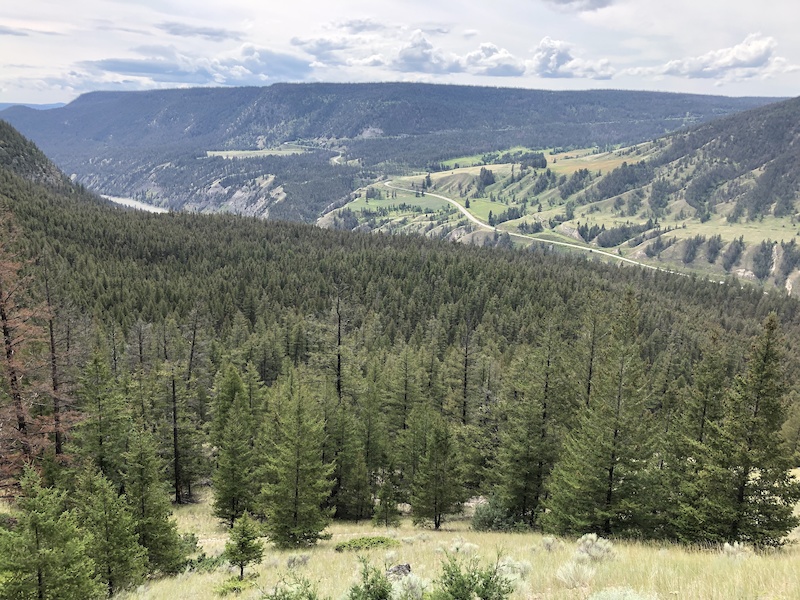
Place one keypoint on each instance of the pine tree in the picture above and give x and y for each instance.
(102, 436)
(111, 539)
(751, 465)
(535, 406)
(438, 489)
(244, 548)
(596, 485)
(386, 513)
(298, 481)
(234, 481)
(149, 502)
(45, 556)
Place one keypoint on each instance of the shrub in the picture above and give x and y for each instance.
(366, 543)
(299, 588)
(468, 581)
(236, 586)
(492, 516)
(297, 560)
(736, 550)
(374, 584)
(409, 587)
(575, 574)
(594, 548)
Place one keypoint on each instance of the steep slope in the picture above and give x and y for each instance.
(148, 144)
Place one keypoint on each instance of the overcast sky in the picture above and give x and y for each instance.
(54, 50)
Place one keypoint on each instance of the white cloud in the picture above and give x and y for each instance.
(580, 5)
(553, 59)
(493, 61)
(418, 55)
(754, 57)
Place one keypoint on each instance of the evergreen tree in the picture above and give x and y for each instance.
(386, 513)
(45, 556)
(102, 436)
(234, 478)
(244, 548)
(597, 484)
(149, 502)
(536, 409)
(750, 467)
(111, 539)
(438, 489)
(299, 483)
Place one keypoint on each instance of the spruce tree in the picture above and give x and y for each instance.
(234, 481)
(45, 557)
(298, 481)
(102, 436)
(438, 489)
(536, 408)
(148, 499)
(750, 467)
(244, 548)
(111, 539)
(597, 484)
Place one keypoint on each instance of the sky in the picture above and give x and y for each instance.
(53, 51)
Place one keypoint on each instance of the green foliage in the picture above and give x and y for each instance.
(111, 539)
(298, 480)
(243, 548)
(437, 488)
(45, 557)
(366, 543)
(235, 585)
(150, 507)
(493, 516)
(468, 580)
(374, 584)
(297, 588)
(234, 482)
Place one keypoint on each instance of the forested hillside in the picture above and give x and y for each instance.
(148, 355)
(152, 145)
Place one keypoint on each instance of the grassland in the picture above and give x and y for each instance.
(656, 570)
(284, 150)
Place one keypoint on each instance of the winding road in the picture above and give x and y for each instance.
(483, 225)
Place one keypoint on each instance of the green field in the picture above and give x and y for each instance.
(285, 150)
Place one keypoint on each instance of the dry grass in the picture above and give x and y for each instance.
(665, 571)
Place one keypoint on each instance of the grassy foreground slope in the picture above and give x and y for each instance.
(653, 570)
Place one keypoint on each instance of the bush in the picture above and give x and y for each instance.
(575, 574)
(236, 586)
(374, 584)
(366, 543)
(299, 588)
(468, 581)
(492, 516)
(594, 548)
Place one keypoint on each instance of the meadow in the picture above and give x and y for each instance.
(535, 563)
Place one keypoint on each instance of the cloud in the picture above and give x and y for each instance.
(420, 56)
(755, 56)
(248, 65)
(215, 34)
(580, 5)
(325, 50)
(355, 26)
(9, 31)
(553, 59)
(470, 33)
(494, 61)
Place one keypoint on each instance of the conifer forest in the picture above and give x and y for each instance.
(306, 376)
